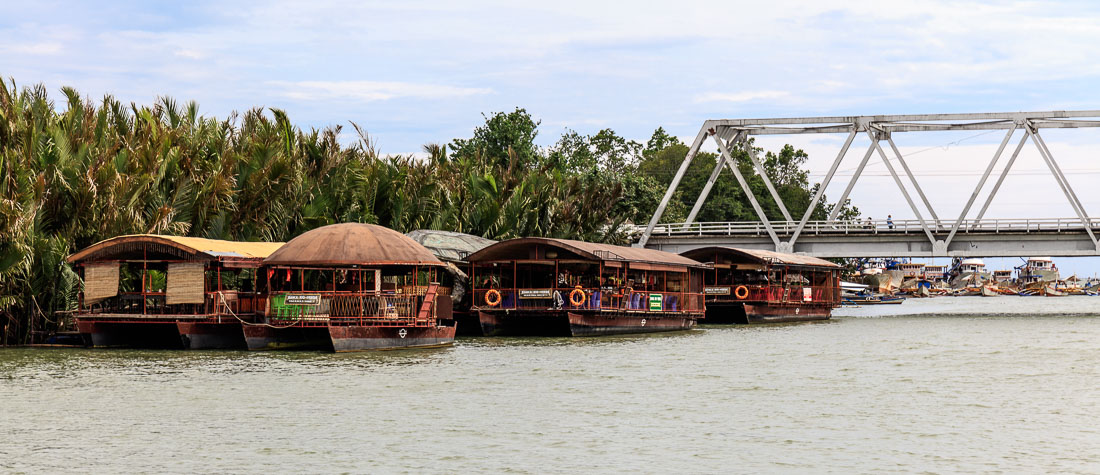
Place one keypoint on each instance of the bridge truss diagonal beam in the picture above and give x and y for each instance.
(718, 166)
(745, 187)
(821, 189)
(981, 183)
(1067, 189)
(901, 186)
(675, 183)
(913, 179)
(730, 133)
(1000, 179)
(764, 175)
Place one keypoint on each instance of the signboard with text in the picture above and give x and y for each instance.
(656, 303)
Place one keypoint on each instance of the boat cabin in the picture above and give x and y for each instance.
(1038, 269)
(910, 270)
(935, 273)
(350, 287)
(545, 286)
(971, 266)
(149, 290)
(757, 286)
(1002, 276)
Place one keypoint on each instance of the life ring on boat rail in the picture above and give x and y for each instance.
(741, 292)
(576, 297)
(492, 297)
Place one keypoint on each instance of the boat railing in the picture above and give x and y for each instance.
(588, 298)
(154, 305)
(313, 309)
(793, 294)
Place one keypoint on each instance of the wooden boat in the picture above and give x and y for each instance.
(989, 291)
(352, 287)
(560, 287)
(154, 291)
(757, 286)
(873, 300)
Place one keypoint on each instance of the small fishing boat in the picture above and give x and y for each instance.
(873, 300)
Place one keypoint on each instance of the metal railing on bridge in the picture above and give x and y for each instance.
(881, 226)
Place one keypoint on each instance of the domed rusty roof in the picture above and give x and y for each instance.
(352, 244)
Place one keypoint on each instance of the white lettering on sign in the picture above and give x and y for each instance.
(807, 294)
(302, 299)
(534, 293)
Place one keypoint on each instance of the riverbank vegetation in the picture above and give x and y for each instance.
(77, 172)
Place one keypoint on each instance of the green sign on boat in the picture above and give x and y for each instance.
(655, 303)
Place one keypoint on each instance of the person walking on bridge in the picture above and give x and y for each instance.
(890, 221)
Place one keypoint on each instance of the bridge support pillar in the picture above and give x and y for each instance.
(785, 246)
(939, 248)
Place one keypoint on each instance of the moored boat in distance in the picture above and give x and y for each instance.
(561, 287)
(757, 286)
(352, 287)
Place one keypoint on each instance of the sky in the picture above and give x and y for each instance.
(418, 72)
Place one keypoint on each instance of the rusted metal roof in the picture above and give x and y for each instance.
(449, 246)
(352, 244)
(590, 250)
(706, 254)
(200, 248)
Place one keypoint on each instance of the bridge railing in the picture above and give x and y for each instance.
(879, 226)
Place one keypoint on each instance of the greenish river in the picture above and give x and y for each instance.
(1003, 384)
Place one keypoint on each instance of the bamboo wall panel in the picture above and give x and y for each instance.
(186, 283)
(100, 281)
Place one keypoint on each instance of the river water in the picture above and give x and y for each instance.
(1002, 384)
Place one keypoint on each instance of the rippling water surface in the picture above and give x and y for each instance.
(918, 387)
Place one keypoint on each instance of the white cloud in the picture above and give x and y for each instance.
(370, 91)
(745, 96)
(37, 48)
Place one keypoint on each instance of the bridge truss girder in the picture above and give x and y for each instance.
(729, 134)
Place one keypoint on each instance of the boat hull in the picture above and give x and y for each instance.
(211, 336)
(563, 323)
(345, 339)
(342, 339)
(747, 313)
(263, 337)
(154, 335)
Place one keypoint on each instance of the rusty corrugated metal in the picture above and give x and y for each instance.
(706, 254)
(352, 244)
(591, 250)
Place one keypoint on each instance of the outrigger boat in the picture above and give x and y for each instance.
(560, 287)
(758, 286)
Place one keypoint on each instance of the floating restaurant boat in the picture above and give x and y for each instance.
(352, 287)
(157, 291)
(559, 287)
(757, 286)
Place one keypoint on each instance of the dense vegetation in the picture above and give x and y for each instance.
(79, 172)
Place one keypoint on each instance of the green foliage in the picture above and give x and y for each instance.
(74, 176)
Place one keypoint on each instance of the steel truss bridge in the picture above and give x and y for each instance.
(926, 236)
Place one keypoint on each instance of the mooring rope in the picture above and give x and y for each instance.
(252, 324)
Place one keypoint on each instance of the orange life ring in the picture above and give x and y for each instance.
(577, 297)
(492, 298)
(741, 292)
